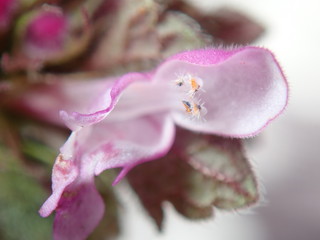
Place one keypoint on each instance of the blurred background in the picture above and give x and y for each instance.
(286, 156)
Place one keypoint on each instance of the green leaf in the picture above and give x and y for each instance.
(20, 200)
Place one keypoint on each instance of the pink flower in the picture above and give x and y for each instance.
(129, 120)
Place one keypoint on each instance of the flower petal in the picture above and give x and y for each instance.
(90, 151)
(88, 101)
(79, 211)
(44, 101)
(243, 89)
(78, 205)
(128, 143)
(108, 100)
(65, 171)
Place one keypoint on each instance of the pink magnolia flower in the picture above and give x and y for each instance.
(125, 121)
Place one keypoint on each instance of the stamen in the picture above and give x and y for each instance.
(198, 110)
(194, 85)
(187, 106)
(190, 86)
(194, 109)
(179, 82)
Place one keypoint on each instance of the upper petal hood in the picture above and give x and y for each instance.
(242, 90)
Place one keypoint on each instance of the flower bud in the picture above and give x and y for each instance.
(45, 33)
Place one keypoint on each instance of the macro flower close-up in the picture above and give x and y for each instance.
(110, 104)
(131, 119)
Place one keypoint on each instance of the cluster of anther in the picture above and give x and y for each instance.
(190, 86)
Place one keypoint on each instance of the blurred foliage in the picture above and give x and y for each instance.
(24, 180)
(38, 151)
(20, 198)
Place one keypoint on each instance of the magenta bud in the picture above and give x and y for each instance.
(45, 33)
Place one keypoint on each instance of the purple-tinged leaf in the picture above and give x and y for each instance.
(226, 25)
(223, 174)
(232, 26)
(165, 180)
(200, 172)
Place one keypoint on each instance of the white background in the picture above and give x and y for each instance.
(286, 156)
